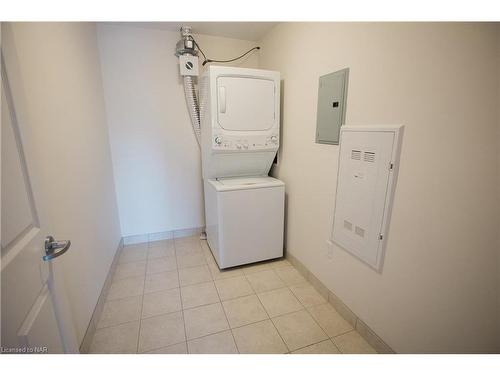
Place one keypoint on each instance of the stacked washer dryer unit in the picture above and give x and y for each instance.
(244, 207)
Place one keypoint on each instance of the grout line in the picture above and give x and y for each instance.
(319, 342)
(274, 325)
(182, 305)
(224, 310)
(312, 317)
(228, 324)
(142, 307)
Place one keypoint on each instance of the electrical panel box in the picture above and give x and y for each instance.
(332, 96)
(366, 180)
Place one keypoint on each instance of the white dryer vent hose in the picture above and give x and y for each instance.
(193, 107)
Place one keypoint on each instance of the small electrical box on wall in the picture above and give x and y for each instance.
(188, 65)
(366, 181)
(332, 97)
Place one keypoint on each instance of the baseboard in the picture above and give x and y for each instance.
(361, 327)
(159, 236)
(96, 315)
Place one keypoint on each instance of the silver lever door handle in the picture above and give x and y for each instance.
(52, 245)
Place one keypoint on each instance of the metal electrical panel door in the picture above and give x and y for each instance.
(332, 96)
(368, 160)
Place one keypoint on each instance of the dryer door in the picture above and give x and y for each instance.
(245, 104)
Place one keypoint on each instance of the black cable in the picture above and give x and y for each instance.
(231, 60)
(199, 48)
(220, 61)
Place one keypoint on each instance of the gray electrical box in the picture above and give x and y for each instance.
(332, 96)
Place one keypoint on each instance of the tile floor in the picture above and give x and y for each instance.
(170, 297)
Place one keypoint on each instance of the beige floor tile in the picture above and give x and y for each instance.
(258, 267)
(135, 246)
(323, 347)
(195, 238)
(264, 281)
(233, 287)
(307, 295)
(210, 259)
(219, 274)
(244, 310)
(290, 276)
(205, 320)
(199, 294)
(131, 269)
(172, 349)
(161, 281)
(159, 303)
(162, 243)
(259, 338)
(191, 260)
(187, 246)
(160, 252)
(219, 343)
(120, 311)
(279, 302)
(133, 254)
(160, 331)
(158, 265)
(183, 251)
(131, 286)
(279, 263)
(299, 329)
(353, 343)
(118, 339)
(329, 319)
(194, 275)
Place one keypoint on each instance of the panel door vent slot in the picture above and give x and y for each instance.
(356, 155)
(359, 231)
(369, 157)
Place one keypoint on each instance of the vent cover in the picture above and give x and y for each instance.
(359, 231)
(355, 154)
(369, 157)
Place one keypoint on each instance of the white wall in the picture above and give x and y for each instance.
(438, 290)
(59, 66)
(156, 159)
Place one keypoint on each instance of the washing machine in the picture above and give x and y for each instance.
(244, 207)
(244, 219)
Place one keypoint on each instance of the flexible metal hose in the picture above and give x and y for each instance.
(193, 107)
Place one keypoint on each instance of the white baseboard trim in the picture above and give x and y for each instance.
(159, 236)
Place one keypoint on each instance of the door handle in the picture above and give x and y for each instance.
(52, 245)
(222, 99)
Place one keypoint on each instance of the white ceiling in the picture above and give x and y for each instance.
(238, 30)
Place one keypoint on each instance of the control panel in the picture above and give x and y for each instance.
(249, 143)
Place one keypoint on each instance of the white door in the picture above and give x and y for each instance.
(245, 103)
(35, 315)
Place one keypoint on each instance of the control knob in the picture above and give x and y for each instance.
(218, 140)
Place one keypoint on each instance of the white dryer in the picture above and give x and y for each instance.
(239, 112)
(244, 219)
(244, 208)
